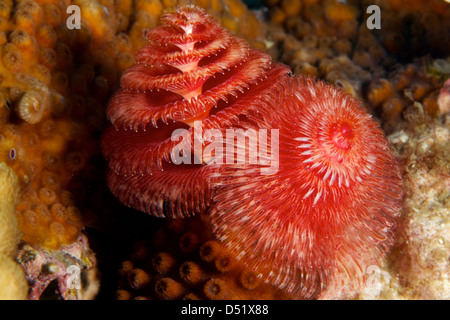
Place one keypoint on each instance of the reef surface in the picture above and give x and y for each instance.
(55, 82)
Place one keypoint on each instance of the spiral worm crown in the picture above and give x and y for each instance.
(191, 70)
(317, 224)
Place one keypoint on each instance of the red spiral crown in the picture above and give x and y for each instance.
(191, 70)
(317, 222)
(330, 210)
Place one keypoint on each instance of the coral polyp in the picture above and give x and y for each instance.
(31, 108)
(191, 275)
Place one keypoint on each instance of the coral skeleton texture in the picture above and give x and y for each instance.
(13, 285)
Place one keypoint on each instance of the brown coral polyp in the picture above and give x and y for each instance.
(168, 289)
(191, 272)
(22, 40)
(224, 262)
(139, 279)
(163, 262)
(58, 212)
(189, 242)
(47, 196)
(25, 21)
(31, 107)
(52, 14)
(216, 289)
(75, 161)
(52, 161)
(379, 91)
(47, 56)
(210, 250)
(46, 36)
(5, 9)
(123, 295)
(42, 73)
(50, 180)
(12, 58)
(249, 280)
(32, 8)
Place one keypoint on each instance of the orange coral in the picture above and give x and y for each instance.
(409, 87)
(379, 91)
(337, 12)
(54, 84)
(325, 31)
(205, 271)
